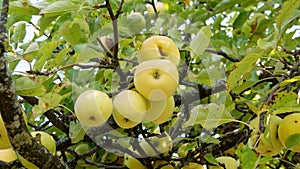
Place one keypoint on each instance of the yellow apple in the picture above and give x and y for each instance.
(159, 47)
(229, 162)
(7, 155)
(161, 144)
(93, 107)
(273, 124)
(132, 163)
(4, 140)
(131, 105)
(156, 80)
(44, 139)
(192, 165)
(122, 121)
(167, 113)
(163, 163)
(159, 8)
(135, 22)
(290, 125)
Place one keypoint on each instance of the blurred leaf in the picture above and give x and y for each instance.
(22, 7)
(19, 32)
(58, 8)
(286, 12)
(44, 54)
(31, 51)
(292, 141)
(248, 158)
(15, 17)
(30, 86)
(209, 116)
(76, 132)
(201, 41)
(211, 159)
(288, 81)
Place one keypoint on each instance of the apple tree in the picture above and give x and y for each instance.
(150, 84)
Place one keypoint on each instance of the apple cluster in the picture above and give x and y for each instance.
(155, 80)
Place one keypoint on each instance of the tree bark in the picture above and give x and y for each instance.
(10, 111)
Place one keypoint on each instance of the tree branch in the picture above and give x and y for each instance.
(219, 52)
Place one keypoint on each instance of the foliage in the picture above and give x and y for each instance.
(253, 46)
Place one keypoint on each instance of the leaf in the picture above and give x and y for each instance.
(286, 12)
(248, 158)
(292, 141)
(284, 102)
(76, 132)
(22, 7)
(288, 81)
(58, 8)
(19, 32)
(27, 86)
(209, 116)
(14, 18)
(44, 54)
(211, 159)
(201, 41)
(31, 51)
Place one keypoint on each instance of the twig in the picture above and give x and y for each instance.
(221, 53)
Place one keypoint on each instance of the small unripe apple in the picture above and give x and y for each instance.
(7, 155)
(122, 121)
(159, 47)
(229, 162)
(156, 80)
(135, 22)
(131, 105)
(289, 126)
(93, 108)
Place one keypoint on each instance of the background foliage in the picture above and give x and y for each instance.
(239, 60)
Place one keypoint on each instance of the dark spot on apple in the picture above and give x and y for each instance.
(269, 151)
(127, 120)
(162, 53)
(296, 121)
(156, 75)
(93, 118)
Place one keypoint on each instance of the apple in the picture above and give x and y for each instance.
(159, 47)
(8, 155)
(131, 105)
(135, 22)
(132, 163)
(93, 108)
(163, 163)
(123, 122)
(4, 140)
(192, 165)
(159, 6)
(81, 149)
(289, 126)
(161, 144)
(272, 125)
(167, 113)
(229, 162)
(44, 139)
(156, 80)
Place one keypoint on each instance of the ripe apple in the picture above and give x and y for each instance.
(167, 113)
(93, 108)
(159, 47)
(135, 22)
(163, 163)
(192, 165)
(122, 121)
(4, 140)
(229, 162)
(289, 126)
(7, 155)
(42, 138)
(161, 144)
(156, 80)
(131, 105)
(132, 163)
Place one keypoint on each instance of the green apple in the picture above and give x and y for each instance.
(132, 163)
(156, 80)
(122, 121)
(289, 126)
(272, 125)
(93, 108)
(8, 155)
(131, 105)
(229, 162)
(44, 139)
(163, 163)
(159, 144)
(192, 165)
(135, 22)
(4, 140)
(167, 113)
(159, 47)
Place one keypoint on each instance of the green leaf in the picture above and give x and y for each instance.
(209, 116)
(211, 159)
(248, 158)
(44, 54)
(31, 51)
(286, 12)
(14, 18)
(58, 8)
(76, 132)
(22, 7)
(288, 81)
(292, 141)
(201, 41)
(19, 32)
(284, 102)
(27, 86)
